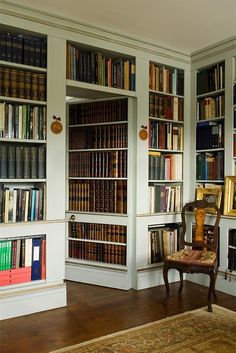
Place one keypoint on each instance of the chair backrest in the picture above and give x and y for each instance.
(201, 237)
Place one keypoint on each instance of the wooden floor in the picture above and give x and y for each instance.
(96, 311)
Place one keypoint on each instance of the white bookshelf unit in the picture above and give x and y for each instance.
(123, 73)
(32, 231)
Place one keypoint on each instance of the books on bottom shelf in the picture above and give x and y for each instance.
(22, 260)
(163, 242)
(232, 250)
(99, 252)
(164, 198)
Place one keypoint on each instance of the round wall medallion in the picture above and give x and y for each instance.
(56, 126)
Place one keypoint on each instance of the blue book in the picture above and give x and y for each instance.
(36, 259)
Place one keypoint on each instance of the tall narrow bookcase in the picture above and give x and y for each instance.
(234, 116)
(166, 138)
(159, 228)
(210, 116)
(26, 241)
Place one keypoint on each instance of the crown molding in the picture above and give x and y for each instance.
(55, 21)
(213, 50)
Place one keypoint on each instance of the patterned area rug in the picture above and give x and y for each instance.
(196, 331)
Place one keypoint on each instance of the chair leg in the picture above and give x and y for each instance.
(211, 289)
(165, 276)
(214, 292)
(181, 281)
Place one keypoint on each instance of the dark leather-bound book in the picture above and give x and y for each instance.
(33, 162)
(11, 162)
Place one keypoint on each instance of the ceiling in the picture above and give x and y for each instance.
(183, 25)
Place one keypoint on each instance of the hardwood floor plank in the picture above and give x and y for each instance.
(94, 311)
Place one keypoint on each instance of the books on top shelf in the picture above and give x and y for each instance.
(166, 79)
(98, 68)
(211, 79)
(23, 49)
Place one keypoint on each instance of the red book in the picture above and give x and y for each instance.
(43, 259)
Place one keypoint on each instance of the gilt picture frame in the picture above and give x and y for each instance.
(230, 196)
(212, 195)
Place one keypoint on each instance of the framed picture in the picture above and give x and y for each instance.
(230, 196)
(212, 195)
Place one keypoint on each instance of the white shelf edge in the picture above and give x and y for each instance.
(22, 100)
(99, 124)
(96, 264)
(98, 88)
(99, 149)
(96, 241)
(22, 66)
(167, 120)
(165, 93)
(212, 93)
(17, 140)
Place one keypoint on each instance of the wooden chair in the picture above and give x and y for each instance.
(199, 255)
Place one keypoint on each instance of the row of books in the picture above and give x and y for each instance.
(165, 166)
(96, 231)
(22, 162)
(22, 49)
(22, 260)
(163, 242)
(163, 135)
(166, 107)
(112, 164)
(98, 112)
(95, 67)
(22, 84)
(22, 205)
(234, 117)
(108, 196)
(234, 144)
(210, 166)
(164, 198)
(22, 121)
(107, 253)
(166, 79)
(101, 136)
(210, 107)
(232, 250)
(211, 79)
(210, 134)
